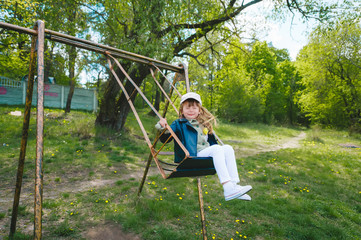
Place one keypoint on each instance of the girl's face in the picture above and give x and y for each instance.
(190, 110)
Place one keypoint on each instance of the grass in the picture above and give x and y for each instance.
(310, 192)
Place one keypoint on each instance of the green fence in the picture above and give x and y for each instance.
(14, 92)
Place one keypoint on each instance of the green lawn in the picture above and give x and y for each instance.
(309, 192)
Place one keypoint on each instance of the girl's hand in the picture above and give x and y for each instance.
(163, 122)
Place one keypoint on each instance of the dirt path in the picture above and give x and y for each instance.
(107, 231)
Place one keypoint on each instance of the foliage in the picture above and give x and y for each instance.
(250, 83)
(14, 47)
(330, 66)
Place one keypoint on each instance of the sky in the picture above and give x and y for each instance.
(291, 33)
(290, 36)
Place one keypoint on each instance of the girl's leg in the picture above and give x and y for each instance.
(219, 161)
(231, 164)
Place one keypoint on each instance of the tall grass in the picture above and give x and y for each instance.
(310, 192)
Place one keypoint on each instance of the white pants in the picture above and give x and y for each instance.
(224, 161)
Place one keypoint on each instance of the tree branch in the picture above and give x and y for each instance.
(204, 26)
(192, 56)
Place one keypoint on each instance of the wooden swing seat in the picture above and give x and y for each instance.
(193, 167)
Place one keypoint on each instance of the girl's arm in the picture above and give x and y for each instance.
(163, 122)
(160, 126)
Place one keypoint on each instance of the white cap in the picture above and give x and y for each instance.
(191, 95)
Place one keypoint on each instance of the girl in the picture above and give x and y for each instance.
(195, 131)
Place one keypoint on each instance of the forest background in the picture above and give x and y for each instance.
(240, 78)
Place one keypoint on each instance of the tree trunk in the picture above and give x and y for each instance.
(158, 97)
(72, 57)
(113, 113)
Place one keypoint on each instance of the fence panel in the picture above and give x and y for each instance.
(13, 93)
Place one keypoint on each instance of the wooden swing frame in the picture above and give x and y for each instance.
(184, 169)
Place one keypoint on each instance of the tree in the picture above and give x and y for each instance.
(330, 67)
(15, 47)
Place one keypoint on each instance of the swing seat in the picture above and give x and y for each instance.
(193, 166)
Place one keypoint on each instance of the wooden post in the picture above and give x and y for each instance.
(25, 133)
(39, 134)
(201, 208)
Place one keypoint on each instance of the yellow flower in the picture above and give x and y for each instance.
(205, 131)
(180, 198)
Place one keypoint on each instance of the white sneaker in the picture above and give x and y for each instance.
(232, 191)
(245, 197)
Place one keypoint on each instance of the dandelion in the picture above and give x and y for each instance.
(71, 203)
(115, 210)
(106, 201)
(164, 188)
(71, 214)
(180, 198)
(115, 171)
(206, 192)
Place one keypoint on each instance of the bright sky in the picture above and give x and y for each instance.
(291, 34)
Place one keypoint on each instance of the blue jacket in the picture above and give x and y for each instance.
(188, 137)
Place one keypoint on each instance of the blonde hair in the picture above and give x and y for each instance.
(205, 117)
